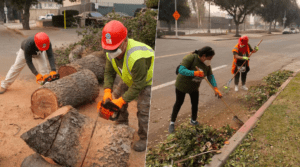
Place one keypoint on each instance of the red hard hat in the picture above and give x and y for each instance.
(113, 34)
(42, 41)
(243, 40)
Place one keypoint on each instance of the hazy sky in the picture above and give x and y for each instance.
(216, 9)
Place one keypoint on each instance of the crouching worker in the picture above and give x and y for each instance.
(32, 48)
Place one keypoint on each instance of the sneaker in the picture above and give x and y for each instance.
(171, 128)
(2, 90)
(236, 88)
(244, 87)
(194, 122)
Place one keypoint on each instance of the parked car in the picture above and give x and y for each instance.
(287, 31)
(47, 16)
(111, 14)
(293, 30)
(93, 18)
(297, 30)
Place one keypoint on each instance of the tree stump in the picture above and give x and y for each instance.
(63, 138)
(35, 160)
(94, 62)
(75, 90)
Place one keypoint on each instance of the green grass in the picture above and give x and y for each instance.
(275, 141)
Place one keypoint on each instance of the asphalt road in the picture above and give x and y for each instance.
(274, 53)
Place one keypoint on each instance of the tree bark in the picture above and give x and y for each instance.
(275, 25)
(68, 143)
(270, 28)
(76, 89)
(94, 62)
(77, 140)
(26, 15)
(35, 160)
(237, 29)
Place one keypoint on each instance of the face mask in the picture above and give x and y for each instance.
(207, 62)
(115, 54)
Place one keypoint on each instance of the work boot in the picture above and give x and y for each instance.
(2, 90)
(236, 88)
(171, 128)
(140, 145)
(194, 122)
(244, 87)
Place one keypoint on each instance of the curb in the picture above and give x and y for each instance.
(219, 160)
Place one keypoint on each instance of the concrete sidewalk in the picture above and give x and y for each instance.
(32, 24)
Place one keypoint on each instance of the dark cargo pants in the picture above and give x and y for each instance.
(143, 107)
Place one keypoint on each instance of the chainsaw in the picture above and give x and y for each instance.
(112, 109)
(50, 79)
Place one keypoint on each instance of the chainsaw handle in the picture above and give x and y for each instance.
(113, 108)
(55, 77)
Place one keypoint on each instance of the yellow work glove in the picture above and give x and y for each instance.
(217, 92)
(39, 78)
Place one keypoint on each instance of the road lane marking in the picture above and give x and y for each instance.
(173, 82)
(172, 55)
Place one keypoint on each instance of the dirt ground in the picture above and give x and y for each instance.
(214, 113)
(16, 118)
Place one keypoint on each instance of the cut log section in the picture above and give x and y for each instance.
(73, 139)
(68, 143)
(110, 146)
(75, 90)
(35, 160)
(94, 62)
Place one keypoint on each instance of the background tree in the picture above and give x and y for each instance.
(167, 9)
(238, 9)
(198, 6)
(152, 4)
(24, 7)
(270, 10)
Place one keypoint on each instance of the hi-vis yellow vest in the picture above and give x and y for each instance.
(134, 51)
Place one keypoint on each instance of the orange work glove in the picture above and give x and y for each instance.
(198, 73)
(46, 76)
(107, 94)
(39, 78)
(52, 73)
(119, 102)
(217, 92)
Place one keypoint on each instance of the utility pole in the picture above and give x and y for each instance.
(176, 20)
(5, 11)
(284, 19)
(209, 26)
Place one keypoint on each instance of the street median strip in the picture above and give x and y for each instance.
(237, 138)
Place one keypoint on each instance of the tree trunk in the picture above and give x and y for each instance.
(75, 90)
(67, 143)
(237, 29)
(77, 140)
(270, 28)
(26, 15)
(275, 25)
(35, 160)
(94, 62)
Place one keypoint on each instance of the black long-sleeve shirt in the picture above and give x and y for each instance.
(29, 47)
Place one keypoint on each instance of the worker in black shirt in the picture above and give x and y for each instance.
(32, 48)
